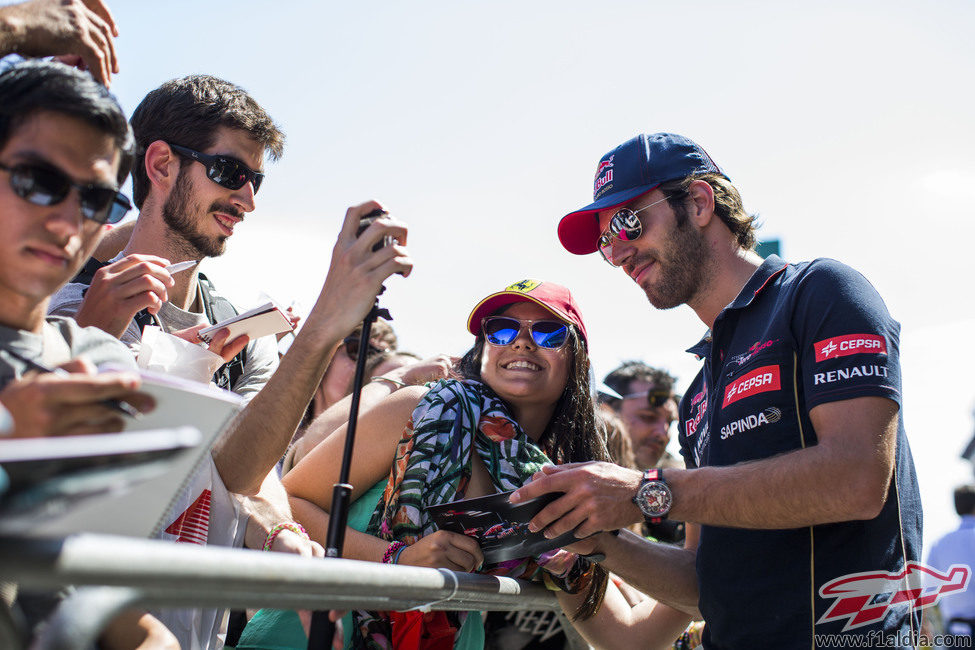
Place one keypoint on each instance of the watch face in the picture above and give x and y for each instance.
(654, 499)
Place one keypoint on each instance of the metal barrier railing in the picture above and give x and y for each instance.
(155, 573)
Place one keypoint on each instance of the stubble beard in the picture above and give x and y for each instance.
(189, 240)
(683, 271)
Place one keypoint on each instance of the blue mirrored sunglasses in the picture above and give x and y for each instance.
(503, 330)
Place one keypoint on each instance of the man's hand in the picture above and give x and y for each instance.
(288, 541)
(218, 344)
(598, 496)
(588, 546)
(121, 290)
(444, 550)
(356, 272)
(73, 28)
(52, 404)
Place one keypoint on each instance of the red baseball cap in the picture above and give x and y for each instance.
(553, 297)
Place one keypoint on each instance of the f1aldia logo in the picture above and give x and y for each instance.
(864, 598)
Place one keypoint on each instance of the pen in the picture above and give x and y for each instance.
(181, 266)
(114, 404)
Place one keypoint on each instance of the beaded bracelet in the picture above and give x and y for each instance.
(272, 534)
(392, 553)
(399, 552)
(395, 382)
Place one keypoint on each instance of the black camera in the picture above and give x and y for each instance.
(366, 220)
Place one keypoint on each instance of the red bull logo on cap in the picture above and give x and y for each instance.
(604, 174)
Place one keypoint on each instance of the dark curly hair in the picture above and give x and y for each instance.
(571, 435)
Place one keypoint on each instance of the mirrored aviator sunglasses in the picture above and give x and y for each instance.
(223, 170)
(625, 226)
(42, 185)
(503, 330)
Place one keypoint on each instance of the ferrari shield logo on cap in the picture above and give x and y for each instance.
(524, 286)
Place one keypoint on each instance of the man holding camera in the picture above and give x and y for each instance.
(200, 149)
(800, 493)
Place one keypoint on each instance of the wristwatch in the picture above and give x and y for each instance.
(653, 497)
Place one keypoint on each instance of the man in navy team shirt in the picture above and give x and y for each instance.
(799, 472)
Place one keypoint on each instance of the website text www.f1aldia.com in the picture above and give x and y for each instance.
(877, 639)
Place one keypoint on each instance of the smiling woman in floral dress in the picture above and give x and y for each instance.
(522, 401)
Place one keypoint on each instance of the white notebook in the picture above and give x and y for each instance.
(122, 484)
(261, 321)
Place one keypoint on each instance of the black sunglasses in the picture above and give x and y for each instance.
(45, 185)
(223, 170)
(503, 330)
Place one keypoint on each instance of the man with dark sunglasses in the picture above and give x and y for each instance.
(800, 493)
(647, 408)
(200, 149)
(65, 148)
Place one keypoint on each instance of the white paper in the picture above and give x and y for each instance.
(170, 355)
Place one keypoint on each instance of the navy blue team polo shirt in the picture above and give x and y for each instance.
(798, 335)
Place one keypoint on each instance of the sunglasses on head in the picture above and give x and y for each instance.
(655, 398)
(45, 185)
(351, 345)
(503, 330)
(624, 226)
(223, 170)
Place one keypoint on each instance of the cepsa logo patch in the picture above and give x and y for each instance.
(842, 346)
(760, 380)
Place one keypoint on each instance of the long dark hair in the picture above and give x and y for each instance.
(571, 435)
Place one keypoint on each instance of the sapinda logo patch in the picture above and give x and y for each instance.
(864, 598)
(842, 346)
(760, 380)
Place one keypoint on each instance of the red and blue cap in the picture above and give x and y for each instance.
(630, 170)
(553, 297)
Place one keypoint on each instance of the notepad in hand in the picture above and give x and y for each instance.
(255, 323)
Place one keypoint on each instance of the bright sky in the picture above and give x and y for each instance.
(848, 128)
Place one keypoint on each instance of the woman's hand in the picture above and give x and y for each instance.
(444, 550)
